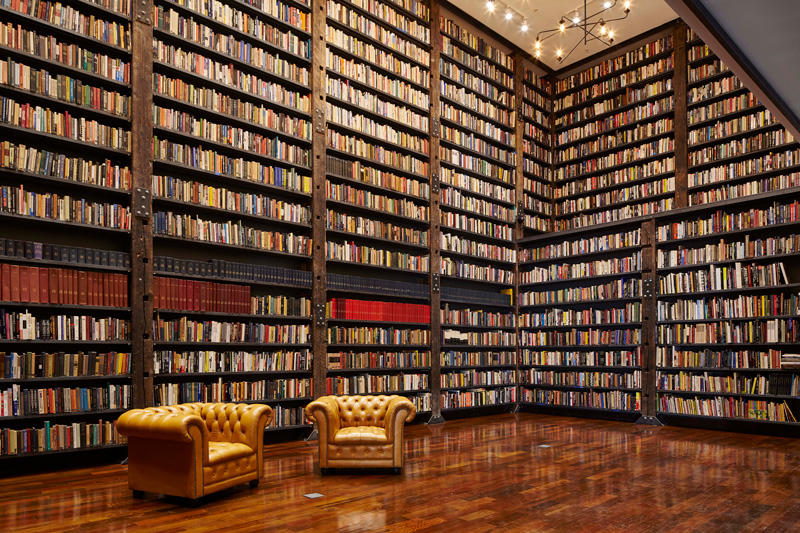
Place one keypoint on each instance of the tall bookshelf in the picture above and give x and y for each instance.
(378, 198)
(231, 189)
(580, 321)
(736, 146)
(535, 109)
(477, 206)
(65, 157)
(614, 137)
(728, 310)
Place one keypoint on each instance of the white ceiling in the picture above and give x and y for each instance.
(545, 14)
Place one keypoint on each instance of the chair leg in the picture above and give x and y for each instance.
(254, 483)
(138, 494)
(398, 470)
(324, 471)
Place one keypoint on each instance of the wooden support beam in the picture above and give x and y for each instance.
(318, 195)
(680, 80)
(141, 276)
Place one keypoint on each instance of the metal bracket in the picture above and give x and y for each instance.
(319, 121)
(142, 202)
(649, 420)
(435, 420)
(436, 128)
(435, 182)
(436, 285)
(520, 211)
(647, 288)
(319, 315)
(145, 10)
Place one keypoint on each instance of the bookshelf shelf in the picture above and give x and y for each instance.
(120, 194)
(478, 327)
(607, 113)
(35, 60)
(724, 369)
(582, 326)
(63, 379)
(47, 27)
(377, 92)
(470, 347)
(376, 164)
(473, 387)
(216, 375)
(578, 387)
(463, 149)
(374, 66)
(347, 346)
(475, 235)
(445, 368)
(286, 318)
(18, 131)
(225, 345)
(394, 123)
(52, 102)
(377, 267)
(217, 211)
(579, 368)
(232, 280)
(702, 102)
(632, 273)
(88, 4)
(617, 148)
(377, 188)
(460, 105)
(609, 301)
(727, 394)
(84, 308)
(378, 370)
(378, 140)
(476, 174)
(331, 22)
(73, 414)
(376, 322)
(70, 451)
(497, 103)
(171, 239)
(766, 288)
(376, 292)
(558, 407)
(61, 223)
(726, 418)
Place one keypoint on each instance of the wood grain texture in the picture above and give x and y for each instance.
(524, 472)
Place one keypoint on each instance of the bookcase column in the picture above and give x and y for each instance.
(435, 221)
(648, 239)
(141, 286)
(519, 196)
(679, 85)
(319, 289)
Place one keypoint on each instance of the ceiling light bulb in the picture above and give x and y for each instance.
(561, 27)
(508, 14)
(538, 53)
(603, 29)
(490, 6)
(610, 34)
(538, 43)
(627, 4)
(559, 52)
(524, 26)
(576, 19)
(606, 4)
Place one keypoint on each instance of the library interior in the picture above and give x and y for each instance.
(399, 265)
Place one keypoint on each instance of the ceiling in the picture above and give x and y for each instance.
(545, 14)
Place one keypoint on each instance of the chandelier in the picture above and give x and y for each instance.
(592, 26)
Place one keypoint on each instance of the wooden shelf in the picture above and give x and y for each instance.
(607, 325)
(376, 370)
(53, 181)
(606, 301)
(378, 92)
(766, 288)
(374, 115)
(63, 379)
(377, 188)
(192, 208)
(378, 43)
(465, 108)
(533, 284)
(489, 99)
(378, 267)
(392, 145)
(373, 163)
(231, 374)
(215, 314)
(62, 223)
(626, 250)
(195, 242)
(16, 132)
(473, 387)
(51, 102)
(369, 211)
(375, 66)
(475, 153)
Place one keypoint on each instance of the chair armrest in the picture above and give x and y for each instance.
(161, 424)
(400, 410)
(254, 418)
(325, 411)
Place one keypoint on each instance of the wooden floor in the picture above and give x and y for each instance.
(522, 472)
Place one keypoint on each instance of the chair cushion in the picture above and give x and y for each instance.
(220, 452)
(361, 435)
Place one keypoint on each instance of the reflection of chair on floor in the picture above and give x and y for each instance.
(194, 449)
(361, 431)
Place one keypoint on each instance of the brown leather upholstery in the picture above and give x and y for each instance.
(194, 449)
(361, 431)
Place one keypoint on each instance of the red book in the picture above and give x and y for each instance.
(34, 284)
(173, 294)
(15, 283)
(156, 292)
(44, 286)
(24, 284)
(73, 286)
(90, 288)
(196, 296)
(106, 296)
(5, 282)
(125, 291)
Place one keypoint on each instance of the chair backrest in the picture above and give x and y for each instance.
(362, 410)
(223, 421)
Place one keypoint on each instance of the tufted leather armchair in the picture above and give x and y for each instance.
(194, 449)
(361, 431)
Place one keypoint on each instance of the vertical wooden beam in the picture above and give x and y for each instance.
(648, 239)
(551, 92)
(318, 195)
(519, 230)
(680, 77)
(141, 276)
(435, 220)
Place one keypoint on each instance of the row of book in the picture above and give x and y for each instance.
(383, 359)
(389, 287)
(558, 318)
(750, 247)
(376, 384)
(574, 337)
(734, 148)
(469, 38)
(782, 331)
(191, 362)
(580, 246)
(717, 358)
(475, 378)
(372, 336)
(720, 278)
(589, 269)
(231, 270)
(23, 365)
(467, 317)
(617, 289)
(356, 146)
(186, 330)
(724, 221)
(24, 326)
(730, 383)
(62, 286)
(740, 307)
(232, 391)
(342, 192)
(452, 337)
(564, 357)
(461, 245)
(368, 227)
(613, 400)
(477, 101)
(494, 298)
(720, 130)
(615, 215)
(728, 407)
(738, 190)
(460, 269)
(386, 179)
(17, 157)
(351, 252)
(19, 401)
(338, 116)
(460, 222)
(456, 198)
(55, 437)
(589, 380)
(63, 208)
(376, 311)
(458, 358)
(478, 397)
(596, 182)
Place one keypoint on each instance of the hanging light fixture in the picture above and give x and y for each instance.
(592, 25)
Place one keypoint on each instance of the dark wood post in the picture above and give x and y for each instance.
(680, 77)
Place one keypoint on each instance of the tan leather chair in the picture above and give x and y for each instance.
(194, 449)
(361, 431)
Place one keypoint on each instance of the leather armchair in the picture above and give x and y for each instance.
(361, 431)
(194, 449)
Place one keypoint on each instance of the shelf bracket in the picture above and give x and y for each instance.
(142, 202)
(143, 15)
(435, 183)
(319, 121)
(319, 315)
(520, 211)
(435, 283)
(647, 288)
(435, 127)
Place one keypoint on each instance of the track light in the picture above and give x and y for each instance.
(524, 26)
(607, 4)
(490, 6)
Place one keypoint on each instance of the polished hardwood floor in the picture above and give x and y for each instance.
(523, 472)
